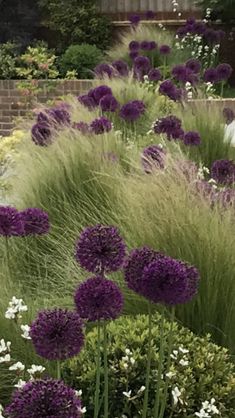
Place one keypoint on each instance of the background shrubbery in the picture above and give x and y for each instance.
(82, 59)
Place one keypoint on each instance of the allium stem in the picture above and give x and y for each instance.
(7, 255)
(97, 385)
(106, 381)
(160, 366)
(222, 89)
(146, 394)
(170, 345)
(58, 369)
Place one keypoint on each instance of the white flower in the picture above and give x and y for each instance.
(5, 347)
(15, 307)
(125, 365)
(125, 358)
(202, 414)
(20, 384)
(146, 78)
(35, 369)
(118, 133)
(179, 14)
(1, 411)
(170, 375)
(190, 95)
(182, 349)
(79, 392)
(26, 330)
(132, 360)
(142, 389)
(183, 362)
(83, 410)
(176, 395)
(5, 359)
(127, 394)
(17, 367)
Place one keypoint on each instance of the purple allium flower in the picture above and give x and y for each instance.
(134, 19)
(150, 15)
(193, 65)
(221, 34)
(98, 299)
(108, 103)
(211, 36)
(178, 134)
(59, 116)
(42, 117)
(121, 67)
(98, 92)
(192, 138)
(165, 49)
(223, 171)
(153, 157)
(170, 125)
(211, 75)
(44, 398)
(41, 134)
(199, 28)
(87, 101)
(57, 334)
(83, 127)
(133, 55)
(10, 222)
(145, 45)
(167, 87)
(103, 70)
(137, 260)
(155, 74)
(35, 221)
(229, 115)
(181, 32)
(152, 45)
(179, 72)
(134, 46)
(142, 65)
(191, 21)
(169, 281)
(101, 125)
(132, 111)
(224, 71)
(100, 248)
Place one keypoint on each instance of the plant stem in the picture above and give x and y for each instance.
(58, 369)
(97, 385)
(222, 89)
(146, 394)
(160, 366)
(106, 381)
(170, 345)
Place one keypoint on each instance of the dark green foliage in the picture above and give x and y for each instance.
(8, 53)
(209, 372)
(76, 21)
(221, 9)
(81, 58)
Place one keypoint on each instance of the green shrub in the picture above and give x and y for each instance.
(81, 58)
(221, 9)
(77, 22)
(8, 60)
(209, 373)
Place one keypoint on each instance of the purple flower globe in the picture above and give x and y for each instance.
(224, 71)
(211, 36)
(155, 74)
(42, 117)
(98, 299)
(223, 171)
(192, 138)
(169, 281)
(194, 65)
(180, 73)
(142, 65)
(153, 158)
(41, 134)
(108, 103)
(133, 55)
(59, 116)
(35, 221)
(121, 67)
(82, 127)
(42, 399)
(103, 70)
(145, 45)
(134, 19)
(199, 28)
(167, 87)
(137, 260)
(165, 49)
(10, 222)
(170, 125)
(100, 248)
(132, 111)
(152, 45)
(101, 125)
(87, 101)
(191, 20)
(229, 115)
(181, 32)
(211, 75)
(57, 334)
(98, 92)
(134, 46)
(150, 15)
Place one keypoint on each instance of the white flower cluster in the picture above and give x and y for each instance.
(180, 355)
(213, 183)
(176, 394)
(175, 6)
(208, 409)
(15, 307)
(5, 349)
(35, 371)
(161, 26)
(26, 330)
(1, 411)
(202, 172)
(128, 360)
(139, 392)
(189, 91)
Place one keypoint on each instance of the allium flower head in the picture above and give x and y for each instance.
(211, 75)
(229, 115)
(152, 45)
(41, 134)
(101, 125)
(10, 222)
(87, 101)
(42, 117)
(98, 299)
(133, 55)
(167, 87)
(180, 72)
(142, 65)
(134, 46)
(150, 15)
(211, 36)
(170, 125)
(165, 49)
(191, 21)
(121, 67)
(98, 92)
(132, 111)
(57, 334)
(224, 71)
(169, 281)
(103, 70)
(137, 260)
(135, 19)
(153, 157)
(181, 32)
(59, 116)
(100, 248)
(223, 171)
(35, 221)
(145, 45)
(199, 28)
(44, 399)
(83, 127)
(155, 74)
(108, 103)
(192, 138)
(194, 65)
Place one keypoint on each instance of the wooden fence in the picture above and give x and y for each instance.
(129, 6)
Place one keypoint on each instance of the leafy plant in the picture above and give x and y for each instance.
(82, 59)
(8, 52)
(221, 9)
(37, 62)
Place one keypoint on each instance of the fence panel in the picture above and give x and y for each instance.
(126, 6)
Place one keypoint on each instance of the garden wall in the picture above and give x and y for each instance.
(13, 104)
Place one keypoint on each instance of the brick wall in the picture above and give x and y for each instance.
(13, 104)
